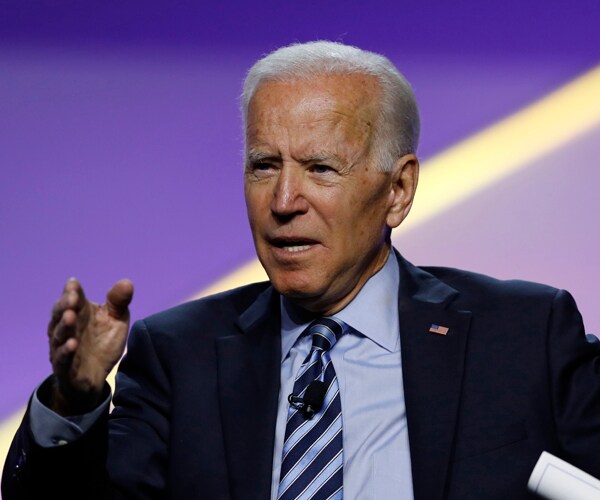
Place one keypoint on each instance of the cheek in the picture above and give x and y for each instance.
(257, 202)
(370, 213)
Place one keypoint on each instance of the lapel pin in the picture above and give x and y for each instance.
(440, 330)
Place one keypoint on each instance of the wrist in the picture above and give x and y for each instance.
(68, 401)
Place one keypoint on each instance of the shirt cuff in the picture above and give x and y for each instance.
(49, 429)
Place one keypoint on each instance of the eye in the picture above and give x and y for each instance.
(259, 167)
(319, 168)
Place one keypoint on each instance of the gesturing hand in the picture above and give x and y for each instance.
(86, 341)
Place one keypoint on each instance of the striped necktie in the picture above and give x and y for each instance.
(312, 462)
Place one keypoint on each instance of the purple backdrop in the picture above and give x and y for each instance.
(120, 142)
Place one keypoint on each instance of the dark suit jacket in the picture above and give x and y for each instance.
(197, 397)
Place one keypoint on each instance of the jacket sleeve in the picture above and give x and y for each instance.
(35, 472)
(574, 365)
(123, 455)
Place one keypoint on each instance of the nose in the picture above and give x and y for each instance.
(288, 193)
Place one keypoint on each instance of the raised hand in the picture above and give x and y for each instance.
(86, 341)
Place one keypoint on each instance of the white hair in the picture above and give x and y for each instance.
(398, 125)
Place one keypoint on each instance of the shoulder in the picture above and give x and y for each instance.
(514, 296)
(218, 313)
(469, 281)
(451, 285)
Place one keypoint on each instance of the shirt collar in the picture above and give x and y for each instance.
(373, 312)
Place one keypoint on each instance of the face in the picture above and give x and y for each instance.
(320, 209)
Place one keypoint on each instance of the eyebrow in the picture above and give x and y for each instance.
(319, 157)
(259, 156)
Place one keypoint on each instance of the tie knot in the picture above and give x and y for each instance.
(326, 332)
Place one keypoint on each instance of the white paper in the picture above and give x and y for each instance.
(555, 479)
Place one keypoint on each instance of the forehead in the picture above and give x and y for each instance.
(327, 100)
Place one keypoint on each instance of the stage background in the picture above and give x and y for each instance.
(121, 146)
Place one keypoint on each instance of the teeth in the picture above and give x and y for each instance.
(298, 248)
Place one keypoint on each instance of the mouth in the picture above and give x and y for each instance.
(292, 245)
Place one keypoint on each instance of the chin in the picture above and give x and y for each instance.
(294, 292)
(294, 288)
(312, 297)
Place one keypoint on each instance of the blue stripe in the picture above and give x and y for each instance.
(328, 472)
(314, 463)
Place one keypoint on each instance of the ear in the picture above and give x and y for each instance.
(405, 177)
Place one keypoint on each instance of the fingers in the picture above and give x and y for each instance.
(62, 357)
(118, 299)
(66, 328)
(73, 306)
(74, 293)
(72, 298)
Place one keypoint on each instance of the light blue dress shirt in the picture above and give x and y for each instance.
(369, 370)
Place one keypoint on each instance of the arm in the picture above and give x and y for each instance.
(575, 383)
(122, 456)
(35, 472)
(86, 340)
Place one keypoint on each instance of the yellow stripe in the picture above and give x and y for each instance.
(248, 273)
(465, 169)
(506, 147)
(7, 431)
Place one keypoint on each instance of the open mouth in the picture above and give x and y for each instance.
(292, 245)
(296, 248)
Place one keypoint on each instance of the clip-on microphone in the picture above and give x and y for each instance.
(312, 401)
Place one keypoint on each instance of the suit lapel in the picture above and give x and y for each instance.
(249, 376)
(249, 367)
(432, 366)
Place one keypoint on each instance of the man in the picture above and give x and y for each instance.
(440, 383)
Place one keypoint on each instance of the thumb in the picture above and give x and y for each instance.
(118, 299)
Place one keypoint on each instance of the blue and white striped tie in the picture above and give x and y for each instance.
(312, 462)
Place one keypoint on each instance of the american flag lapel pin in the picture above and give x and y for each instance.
(440, 330)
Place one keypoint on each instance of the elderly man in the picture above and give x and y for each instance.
(351, 373)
